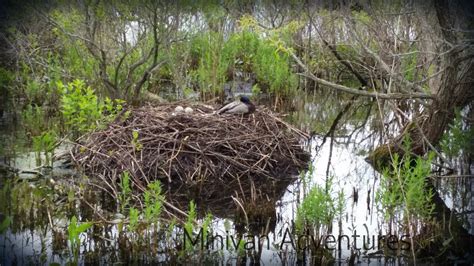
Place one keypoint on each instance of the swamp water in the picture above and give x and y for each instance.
(36, 211)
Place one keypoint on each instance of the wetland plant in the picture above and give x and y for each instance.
(315, 216)
(457, 138)
(34, 120)
(197, 245)
(82, 110)
(134, 216)
(404, 189)
(125, 194)
(405, 197)
(153, 198)
(44, 143)
(74, 231)
(189, 224)
(316, 212)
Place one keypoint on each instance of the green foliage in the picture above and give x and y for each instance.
(135, 141)
(457, 138)
(273, 69)
(37, 67)
(189, 224)
(244, 52)
(134, 217)
(5, 224)
(212, 66)
(81, 108)
(34, 90)
(403, 188)
(153, 201)
(256, 90)
(192, 215)
(6, 78)
(45, 143)
(362, 17)
(74, 230)
(34, 120)
(207, 225)
(75, 59)
(187, 92)
(126, 191)
(318, 209)
(240, 50)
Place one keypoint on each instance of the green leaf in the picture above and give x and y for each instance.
(5, 224)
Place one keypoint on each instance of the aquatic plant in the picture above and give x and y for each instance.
(404, 194)
(403, 188)
(207, 225)
(134, 216)
(75, 229)
(35, 120)
(316, 211)
(44, 143)
(316, 214)
(153, 199)
(190, 220)
(79, 106)
(188, 231)
(212, 66)
(125, 191)
(219, 60)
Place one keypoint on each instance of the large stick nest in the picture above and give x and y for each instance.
(215, 155)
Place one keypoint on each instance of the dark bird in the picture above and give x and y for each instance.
(244, 106)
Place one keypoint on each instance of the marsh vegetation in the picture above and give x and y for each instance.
(380, 96)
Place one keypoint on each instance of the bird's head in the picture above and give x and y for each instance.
(244, 99)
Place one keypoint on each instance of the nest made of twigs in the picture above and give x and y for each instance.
(212, 153)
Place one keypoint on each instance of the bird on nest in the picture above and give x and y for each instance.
(244, 106)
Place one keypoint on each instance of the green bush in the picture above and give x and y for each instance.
(245, 52)
(403, 189)
(457, 138)
(153, 199)
(318, 209)
(82, 110)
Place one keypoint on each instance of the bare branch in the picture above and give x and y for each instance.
(383, 65)
(389, 96)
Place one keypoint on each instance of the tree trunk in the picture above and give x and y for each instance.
(455, 91)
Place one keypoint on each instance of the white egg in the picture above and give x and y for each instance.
(179, 109)
(188, 110)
